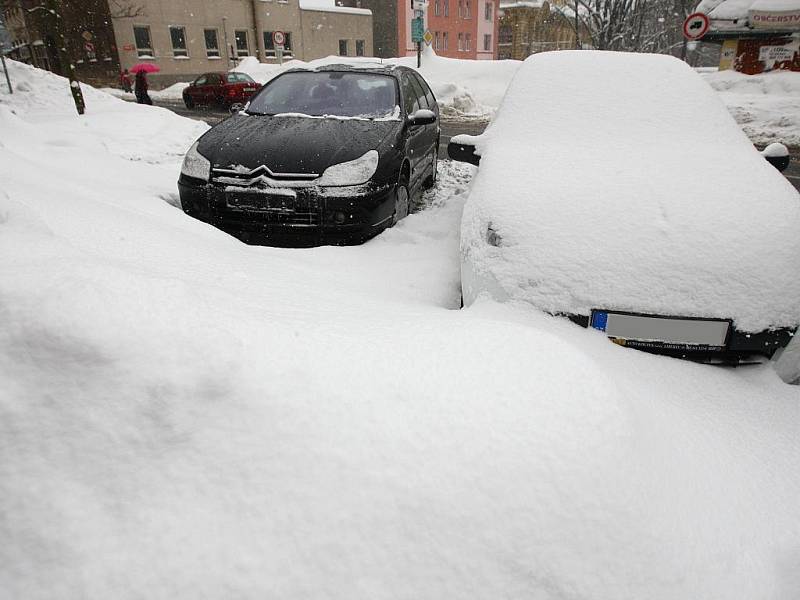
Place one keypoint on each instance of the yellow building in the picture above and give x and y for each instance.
(528, 27)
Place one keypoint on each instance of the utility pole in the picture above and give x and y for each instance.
(577, 28)
(53, 9)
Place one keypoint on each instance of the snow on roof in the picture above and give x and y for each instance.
(733, 10)
(330, 6)
(643, 195)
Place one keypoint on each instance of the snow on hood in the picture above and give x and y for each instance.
(644, 196)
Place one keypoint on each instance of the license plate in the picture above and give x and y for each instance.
(650, 330)
(249, 89)
(284, 201)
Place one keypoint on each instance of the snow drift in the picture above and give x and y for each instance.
(184, 416)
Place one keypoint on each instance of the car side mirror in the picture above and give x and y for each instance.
(777, 155)
(236, 107)
(463, 151)
(422, 117)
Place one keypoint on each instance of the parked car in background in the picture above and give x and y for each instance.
(220, 89)
(332, 155)
(616, 190)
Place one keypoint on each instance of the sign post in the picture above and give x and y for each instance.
(417, 35)
(278, 40)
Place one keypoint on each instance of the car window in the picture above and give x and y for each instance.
(410, 96)
(239, 78)
(420, 91)
(427, 89)
(200, 80)
(215, 79)
(334, 93)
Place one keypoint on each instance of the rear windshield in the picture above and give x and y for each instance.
(365, 95)
(239, 78)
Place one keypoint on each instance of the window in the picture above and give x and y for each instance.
(446, 8)
(460, 42)
(488, 14)
(239, 78)
(460, 8)
(410, 97)
(467, 9)
(342, 47)
(269, 45)
(200, 80)
(437, 7)
(144, 47)
(446, 40)
(506, 35)
(352, 94)
(178, 36)
(487, 42)
(426, 91)
(359, 47)
(468, 42)
(212, 43)
(242, 47)
(419, 91)
(437, 41)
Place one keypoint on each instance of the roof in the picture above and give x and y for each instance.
(331, 6)
(744, 14)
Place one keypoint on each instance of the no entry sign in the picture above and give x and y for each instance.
(695, 26)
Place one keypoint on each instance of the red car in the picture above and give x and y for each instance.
(220, 89)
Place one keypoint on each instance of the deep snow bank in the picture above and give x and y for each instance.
(183, 416)
(766, 106)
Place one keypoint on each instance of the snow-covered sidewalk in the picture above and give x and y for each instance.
(185, 416)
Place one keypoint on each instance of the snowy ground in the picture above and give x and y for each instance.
(185, 416)
(766, 106)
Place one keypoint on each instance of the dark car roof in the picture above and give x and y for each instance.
(378, 69)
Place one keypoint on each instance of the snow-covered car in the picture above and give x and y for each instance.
(616, 190)
(323, 156)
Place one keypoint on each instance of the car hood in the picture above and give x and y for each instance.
(291, 144)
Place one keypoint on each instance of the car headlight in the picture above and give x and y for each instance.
(354, 172)
(196, 165)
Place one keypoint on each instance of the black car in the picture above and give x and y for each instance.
(332, 155)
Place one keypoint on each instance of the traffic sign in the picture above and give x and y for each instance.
(417, 30)
(278, 38)
(695, 26)
(428, 37)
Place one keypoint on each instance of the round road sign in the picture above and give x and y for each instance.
(278, 38)
(695, 26)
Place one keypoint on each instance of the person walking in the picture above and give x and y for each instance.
(140, 87)
(125, 81)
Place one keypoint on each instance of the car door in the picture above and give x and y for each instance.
(215, 89)
(431, 136)
(416, 143)
(195, 90)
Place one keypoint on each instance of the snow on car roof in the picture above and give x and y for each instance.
(620, 181)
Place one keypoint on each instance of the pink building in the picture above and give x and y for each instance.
(460, 28)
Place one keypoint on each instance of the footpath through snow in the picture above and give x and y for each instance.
(185, 416)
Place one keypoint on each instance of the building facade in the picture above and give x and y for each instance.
(754, 38)
(185, 38)
(529, 27)
(89, 37)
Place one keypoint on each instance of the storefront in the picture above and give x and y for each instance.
(758, 37)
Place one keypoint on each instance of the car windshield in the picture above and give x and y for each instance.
(366, 95)
(239, 78)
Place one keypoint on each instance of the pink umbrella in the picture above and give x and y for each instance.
(146, 67)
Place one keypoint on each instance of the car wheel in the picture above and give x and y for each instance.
(402, 202)
(187, 100)
(431, 180)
